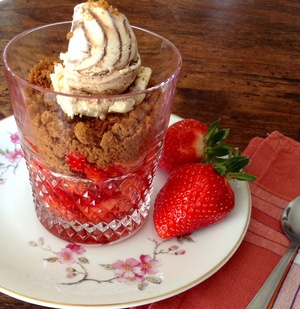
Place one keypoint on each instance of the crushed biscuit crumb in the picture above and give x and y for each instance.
(69, 35)
(40, 74)
(104, 4)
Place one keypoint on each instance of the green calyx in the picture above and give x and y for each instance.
(214, 141)
(225, 158)
(232, 168)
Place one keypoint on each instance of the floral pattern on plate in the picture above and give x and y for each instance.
(131, 271)
(12, 157)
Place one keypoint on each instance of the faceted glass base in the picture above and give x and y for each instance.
(80, 210)
(90, 233)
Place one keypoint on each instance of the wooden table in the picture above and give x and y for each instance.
(241, 60)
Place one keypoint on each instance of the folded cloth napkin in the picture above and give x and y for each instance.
(274, 162)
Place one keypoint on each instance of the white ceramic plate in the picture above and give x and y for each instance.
(39, 268)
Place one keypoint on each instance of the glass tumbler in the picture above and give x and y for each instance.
(91, 178)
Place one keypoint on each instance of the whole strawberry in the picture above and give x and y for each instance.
(190, 140)
(197, 195)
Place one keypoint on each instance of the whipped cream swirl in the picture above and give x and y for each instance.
(102, 58)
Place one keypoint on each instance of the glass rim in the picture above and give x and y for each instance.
(100, 96)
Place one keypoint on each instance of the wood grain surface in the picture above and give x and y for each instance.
(241, 60)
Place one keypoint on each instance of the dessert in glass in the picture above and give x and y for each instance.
(92, 119)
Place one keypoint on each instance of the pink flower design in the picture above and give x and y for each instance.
(138, 272)
(15, 138)
(128, 269)
(71, 272)
(32, 243)
(66, 256)
(148, 265)
(131, 280)
(15, 155)
(76, 248)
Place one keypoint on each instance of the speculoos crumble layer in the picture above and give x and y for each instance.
(118, 139)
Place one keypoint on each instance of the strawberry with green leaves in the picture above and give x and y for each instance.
(197, 195)
(190, 140)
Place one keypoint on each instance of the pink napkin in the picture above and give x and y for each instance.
(274, 162)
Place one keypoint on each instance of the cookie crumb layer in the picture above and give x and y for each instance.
(120, 139)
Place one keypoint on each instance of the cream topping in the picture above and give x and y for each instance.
(102, 58)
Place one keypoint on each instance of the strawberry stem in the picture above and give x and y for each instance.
(215, 147)
(232, 168)
(225, 158)
(241, 176)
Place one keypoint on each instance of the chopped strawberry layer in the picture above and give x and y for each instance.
(92, 198)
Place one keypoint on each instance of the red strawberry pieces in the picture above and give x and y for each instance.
(106, 198)
(194, 196)
(76, 162)
(79, 164)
